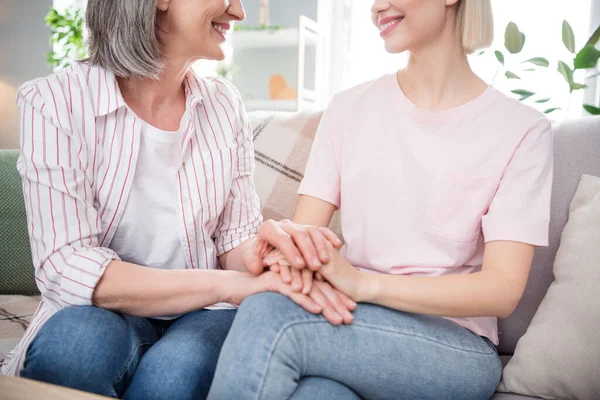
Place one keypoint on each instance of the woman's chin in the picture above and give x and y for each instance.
(213, 55)
(393, 47)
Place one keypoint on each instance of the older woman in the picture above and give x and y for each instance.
(131, 161)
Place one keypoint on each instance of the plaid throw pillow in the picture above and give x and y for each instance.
(282, 143)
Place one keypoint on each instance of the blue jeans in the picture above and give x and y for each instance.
(276, 350)
(99, 351)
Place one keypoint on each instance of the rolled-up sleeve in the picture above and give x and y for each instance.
(520, 210)
(242, 216)
(63, 224)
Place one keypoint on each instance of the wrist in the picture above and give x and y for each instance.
(368, 288)
(226, 285)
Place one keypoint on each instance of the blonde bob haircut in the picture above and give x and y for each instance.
(475, 24)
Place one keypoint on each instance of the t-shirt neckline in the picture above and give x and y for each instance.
(469, 108)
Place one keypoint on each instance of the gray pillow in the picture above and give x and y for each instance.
(559, 355)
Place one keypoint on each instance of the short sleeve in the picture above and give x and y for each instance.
(322, 174)
(520, 209)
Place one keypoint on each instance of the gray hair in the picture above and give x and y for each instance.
(123, 37)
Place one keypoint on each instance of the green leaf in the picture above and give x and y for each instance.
(566, 72)
(528, 70)
(514, 40)
(577, 86)
(591, 109)
(568, 36)
(510, 75)
(587, 58)
(539, 61)
(499, 57)
(481, 53)
(543, 100)
(594, 38)
(548, 111)
(525, 94)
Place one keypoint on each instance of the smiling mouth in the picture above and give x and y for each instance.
(221, 28)
(389, 25)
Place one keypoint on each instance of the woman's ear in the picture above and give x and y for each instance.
(162, 5)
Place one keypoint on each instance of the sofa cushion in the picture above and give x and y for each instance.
(15, 315)
(576, 152)
(16, 267)
(558, 355)
(282, 143)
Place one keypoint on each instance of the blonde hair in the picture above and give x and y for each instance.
(475, 24)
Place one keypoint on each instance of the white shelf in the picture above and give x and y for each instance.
(249, 39)
(271, 105)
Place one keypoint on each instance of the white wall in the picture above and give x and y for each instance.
(24, 42)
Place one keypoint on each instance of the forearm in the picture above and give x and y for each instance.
(234, 260)
(149, 292)
(471, 295)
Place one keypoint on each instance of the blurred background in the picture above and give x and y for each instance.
(293, 55)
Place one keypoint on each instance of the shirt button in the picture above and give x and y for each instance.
(191, 239)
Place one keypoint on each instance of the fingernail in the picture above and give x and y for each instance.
(318, 309)
(324, 256)
(353, 303)
(299, 260)
(317, 262)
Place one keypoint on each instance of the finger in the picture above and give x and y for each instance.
(305, 302)
(286, 275)
(348, 302)
(337, 303)
(273, 233)
(328, 309)
(319, 277)
(304, 243)
(332, 237)
(284, 263)
(275, 268)
(275, 284)
(273, 257)
(320, 242)
(296, 279)
(307, 279)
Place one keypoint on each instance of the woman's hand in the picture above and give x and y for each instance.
(334, 305)
(342, 275)
(302, 245)
(300, 280)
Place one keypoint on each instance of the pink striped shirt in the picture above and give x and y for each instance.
(79, 147)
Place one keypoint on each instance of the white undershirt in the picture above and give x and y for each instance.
(149, 231)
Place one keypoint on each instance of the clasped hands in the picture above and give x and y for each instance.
(303, 263)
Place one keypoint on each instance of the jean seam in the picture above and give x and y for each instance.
(127, 363)
(284, 329)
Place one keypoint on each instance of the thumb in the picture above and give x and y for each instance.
(253, 260)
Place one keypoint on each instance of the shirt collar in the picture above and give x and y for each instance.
(107, 96)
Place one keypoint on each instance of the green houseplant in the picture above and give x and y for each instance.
(66, 38)
(585, 59)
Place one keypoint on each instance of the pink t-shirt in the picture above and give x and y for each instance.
(422, 191)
